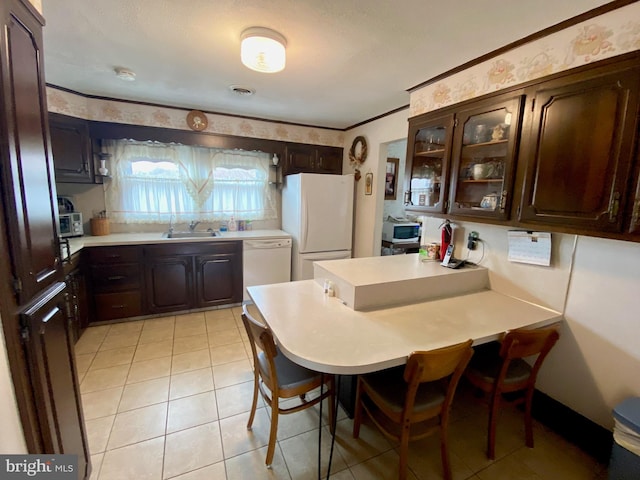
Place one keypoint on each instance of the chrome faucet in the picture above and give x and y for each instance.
(193, 225)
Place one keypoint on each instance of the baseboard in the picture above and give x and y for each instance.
(579, 430)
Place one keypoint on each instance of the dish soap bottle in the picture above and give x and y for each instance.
(232, 224)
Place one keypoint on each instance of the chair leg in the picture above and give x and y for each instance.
(528, 426)
(275, 407)
(444, 453)
(357, 413)
(493, 420)
(404, 454)
(254, 404)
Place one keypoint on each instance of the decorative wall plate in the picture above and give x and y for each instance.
(197, 120)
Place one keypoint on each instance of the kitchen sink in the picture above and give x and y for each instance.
(190, 234)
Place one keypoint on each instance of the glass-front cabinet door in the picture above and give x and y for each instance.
(428, 151)
(483, 159)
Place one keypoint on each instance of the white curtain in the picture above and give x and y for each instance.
(156, 183)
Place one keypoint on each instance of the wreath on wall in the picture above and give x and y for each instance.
(358, 154)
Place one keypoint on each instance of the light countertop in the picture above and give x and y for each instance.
(76, 244)
(324, 334)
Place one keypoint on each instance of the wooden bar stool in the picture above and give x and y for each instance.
(403, 401)
(497, 369)
(276, 377)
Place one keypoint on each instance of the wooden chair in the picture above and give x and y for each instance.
(276, 377)
(499, 369)
(403, 401)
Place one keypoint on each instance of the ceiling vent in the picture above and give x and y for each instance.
(242, 91)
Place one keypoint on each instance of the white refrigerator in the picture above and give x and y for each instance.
(317, 211)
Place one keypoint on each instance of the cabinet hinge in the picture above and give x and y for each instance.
(25, 334)
(503, 201)
(614, 206)
(636, 213)
(17, 285)
(455, 122)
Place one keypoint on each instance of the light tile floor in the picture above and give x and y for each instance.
(170, 397)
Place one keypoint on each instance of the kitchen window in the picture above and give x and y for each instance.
(158, 183)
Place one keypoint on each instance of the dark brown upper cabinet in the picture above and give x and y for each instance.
(301, 158)
(461, 161)
(484, 158)
(71, 146)
(428, 154)
(578, 150)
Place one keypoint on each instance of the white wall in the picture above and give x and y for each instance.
(12, 438)
(596, 362)
(369, 208)
(396, 207)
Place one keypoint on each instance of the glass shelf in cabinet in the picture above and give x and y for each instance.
(483, 180)
(483, 144)
(429, 153)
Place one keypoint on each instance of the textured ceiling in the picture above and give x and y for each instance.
(347, 61)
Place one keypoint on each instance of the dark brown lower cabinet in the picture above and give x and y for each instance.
(48, 352)
(77, 300)
(219, 277)
(192, 275)
(168, 280)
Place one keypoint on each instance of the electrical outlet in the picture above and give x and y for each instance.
(472, 240)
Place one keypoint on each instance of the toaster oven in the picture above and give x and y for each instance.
(71, 224)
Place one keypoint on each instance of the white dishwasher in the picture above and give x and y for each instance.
(265, 261)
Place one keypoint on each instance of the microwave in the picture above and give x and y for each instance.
(71, 225)
(400, 232)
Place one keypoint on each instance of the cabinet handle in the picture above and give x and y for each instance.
(614, 206)
(113, 256)
(50, 315)
(118, 306)
(503, 201)
(115, 278)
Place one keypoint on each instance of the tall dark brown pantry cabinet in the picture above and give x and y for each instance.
(32, 291)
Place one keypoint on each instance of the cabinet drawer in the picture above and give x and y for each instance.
(192, 248)
(110, 306)
(115, 278)
(110, 255)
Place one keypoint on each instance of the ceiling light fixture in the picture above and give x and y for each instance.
(263, 50)
(124, 74)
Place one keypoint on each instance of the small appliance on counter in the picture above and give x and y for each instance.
(70, 221)
(400, 231)
(71, 224)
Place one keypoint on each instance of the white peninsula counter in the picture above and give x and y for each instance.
(327, 335)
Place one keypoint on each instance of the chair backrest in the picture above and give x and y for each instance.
(526, 343)
(446, 363)
(260, 337)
